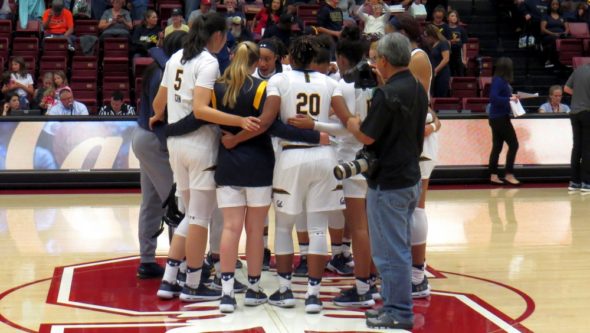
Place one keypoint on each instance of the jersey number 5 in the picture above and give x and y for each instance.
(308, 104)
(178, 79)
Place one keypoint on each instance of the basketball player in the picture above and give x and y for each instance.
(186, 87)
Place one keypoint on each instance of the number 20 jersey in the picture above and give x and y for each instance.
(303, 92)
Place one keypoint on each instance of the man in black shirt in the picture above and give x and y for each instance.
(394, 133)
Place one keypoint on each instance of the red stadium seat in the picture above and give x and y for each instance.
(464, 87)
(33, 29)
(87, 84)
(25, 46)
(140, 64)
(475, 104)
(52, 64)
(6, 29)
(486, 65)
(116, 47)
(569, 48)
(55, 47)
(579, 30)
(111, 84)
(85, 67)
(4, 47)
(86, 27)
(446, 103)
(472, 48)
(579, 61)
(115, 66)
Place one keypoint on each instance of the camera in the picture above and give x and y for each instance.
(365, 163)
(361, 75)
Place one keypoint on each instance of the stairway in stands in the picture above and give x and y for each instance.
(490, 22)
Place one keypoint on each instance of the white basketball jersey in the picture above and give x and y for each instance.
(303, 92)
(180, 80)
(416, 51)
(357, 102)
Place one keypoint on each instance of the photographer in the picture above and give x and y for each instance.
(393, 133)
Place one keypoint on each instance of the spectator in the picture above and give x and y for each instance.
(58, 22)
(438, 20)
(283, 31)
(553, 27)
(432, 5)
(267, 17)
(20, 80)
(533, 12)
(205, 7)
(117, 107)
(191, 6)
(578, 85)
(61, 82)
(502, 130)
(439, 57)
(374, 23)
(82, 9)
(234, 10)
(347, 7)
(393, 132)
(554, 104)
(11, 103)
(138, 9)
(45, 96)
(458, 39)
(67, 106)
(330, 19)
(115, 22)
(97, 7)
(5, 11)
(238, 32)
(581, 14)
(146, 35)
(176, 23)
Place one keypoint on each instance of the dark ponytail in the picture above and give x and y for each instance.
(303, 50)
(200, 32)
(172, 43)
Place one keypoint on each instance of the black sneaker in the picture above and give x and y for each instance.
(338, 265)
(254, 298)
(373, 313)
(168, 290)
(313, 304)
(150, 270)
(181, 278)
(375, 292)
(386, 321)
(348, 261)
(301, 269)
(239, 288)
(421, 289)
(202, 293)
(350, 297)
(573, 187)
(227, 304)
(266, 260)
(282, 299)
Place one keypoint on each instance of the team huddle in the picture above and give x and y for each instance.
(264, 133)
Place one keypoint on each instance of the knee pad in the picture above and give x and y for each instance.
(182, 228)
(200, 207)
(317, 225)
(215, 230)
(301, 222)
(284, 233)
(419, 227)
(336, 219)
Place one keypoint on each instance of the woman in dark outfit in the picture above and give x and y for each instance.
(553, 27)
(502, 130)
(440, 54)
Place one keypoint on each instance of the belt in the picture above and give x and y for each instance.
(287, 147)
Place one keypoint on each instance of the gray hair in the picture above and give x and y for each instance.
(395, 48)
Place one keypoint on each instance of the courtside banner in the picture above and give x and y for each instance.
(67, 145)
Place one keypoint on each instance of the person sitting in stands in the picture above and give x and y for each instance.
(58, 22)
(177, 23)
(554, 104)
(11, 103)
(45, 95)
(115, 22)
(146, 35)
(117, 107)
(67, 106)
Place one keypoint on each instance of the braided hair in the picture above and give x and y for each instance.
(303, 50)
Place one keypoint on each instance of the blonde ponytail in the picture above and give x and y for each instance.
(235, 76)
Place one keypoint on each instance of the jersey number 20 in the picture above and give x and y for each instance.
(308, 104)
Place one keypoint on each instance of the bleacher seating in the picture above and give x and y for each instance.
(464, 86)
(579, 61)
(475, 104)
(446, 104)
(55, 47)
(569, 48)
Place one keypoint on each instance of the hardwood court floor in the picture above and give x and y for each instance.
(500, 260)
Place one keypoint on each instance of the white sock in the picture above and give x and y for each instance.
(171, 271)
(346, 251)
(182, 267)
(313, 289)
(193, 277)
(265, 237)
(417, 275)
(303, 249)
(227, 286)
(362, 287)
(284, 282)
(336, 249)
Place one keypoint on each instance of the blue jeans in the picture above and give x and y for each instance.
(390, 217)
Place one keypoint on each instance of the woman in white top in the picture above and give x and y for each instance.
(187, 85)
(374, 23)
(422, 70)
(20, 81)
